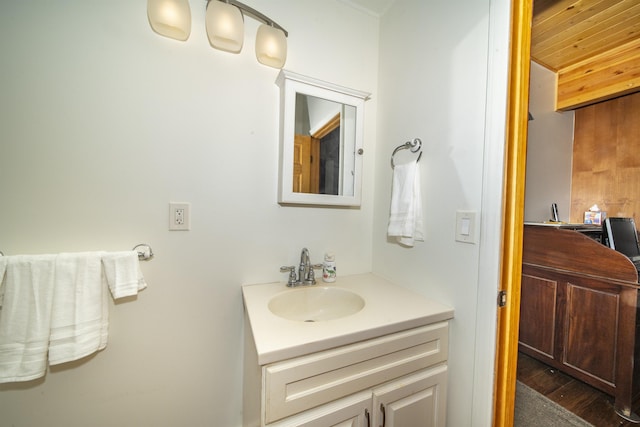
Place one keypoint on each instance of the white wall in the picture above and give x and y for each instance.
(102, 123)
(443, 79)
(549, 150)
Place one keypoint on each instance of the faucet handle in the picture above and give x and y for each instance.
(311, 278)
(292, 274)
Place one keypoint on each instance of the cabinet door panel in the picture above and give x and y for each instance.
(346, 412)
(538, 314)
(353, 422)
(591, 340)
(416, 409)
(415, 400)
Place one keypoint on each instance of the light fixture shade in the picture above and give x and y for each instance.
(225, 26)
(170, 18)
(271, 46)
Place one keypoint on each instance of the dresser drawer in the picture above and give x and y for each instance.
(302, 383)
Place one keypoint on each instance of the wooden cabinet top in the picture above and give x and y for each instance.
(562, 249)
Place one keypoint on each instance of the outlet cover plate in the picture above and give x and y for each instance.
(179, 216)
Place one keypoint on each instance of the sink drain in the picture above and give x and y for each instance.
(309, 320)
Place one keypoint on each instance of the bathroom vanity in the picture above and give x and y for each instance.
(359, 352)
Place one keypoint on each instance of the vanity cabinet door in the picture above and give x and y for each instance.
(352, 411)
(415, 400)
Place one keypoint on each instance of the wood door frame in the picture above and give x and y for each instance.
(513, 196)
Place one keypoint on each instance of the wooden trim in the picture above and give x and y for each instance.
(515, 157)
(328, 127)
(608, 75)
(314, 172)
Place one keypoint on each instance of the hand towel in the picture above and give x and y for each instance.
(405, 218)
(79, 315)
(25, 316)
(123, 274)
(3, 268)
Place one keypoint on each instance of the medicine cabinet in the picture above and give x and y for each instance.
(321, 142)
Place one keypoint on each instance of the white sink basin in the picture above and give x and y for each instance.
(315, 303)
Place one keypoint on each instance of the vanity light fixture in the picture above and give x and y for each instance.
(225, 26)
(170, 18)
(225, 29)
(271, 46)
(224, 21)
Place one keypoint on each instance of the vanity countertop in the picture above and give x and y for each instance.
(388, 308)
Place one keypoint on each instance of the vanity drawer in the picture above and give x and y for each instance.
(302, 383)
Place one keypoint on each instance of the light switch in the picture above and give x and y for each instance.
(465, 226)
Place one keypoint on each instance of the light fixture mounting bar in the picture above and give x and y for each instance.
(254, 14)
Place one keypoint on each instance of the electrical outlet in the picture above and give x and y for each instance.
(179, 216)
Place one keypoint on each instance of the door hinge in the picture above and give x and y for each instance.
(502, 298)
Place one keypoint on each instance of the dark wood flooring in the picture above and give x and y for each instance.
(583, 400)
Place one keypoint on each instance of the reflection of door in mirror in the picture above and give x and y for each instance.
(316, 160)
(306, 172)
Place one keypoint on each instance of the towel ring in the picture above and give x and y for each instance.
(414, 146)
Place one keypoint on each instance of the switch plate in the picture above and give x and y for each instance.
(179, 216)
(466, 226)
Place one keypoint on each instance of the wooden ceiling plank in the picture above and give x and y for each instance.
(592, 22)
(574, 20)
(602, 84)
(592, 39)
(620, 55)
(622, 27)
(593, 46)
(606, 76)
(618, 35)
(544, 10)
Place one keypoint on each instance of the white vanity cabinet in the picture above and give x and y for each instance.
(384, 364)
(396, 380)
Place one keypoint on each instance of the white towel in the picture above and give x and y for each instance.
(122, 270)
(80, 311)
(25, 317)
(405, 219)
(3, 268)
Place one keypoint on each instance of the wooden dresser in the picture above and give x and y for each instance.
(578, 311)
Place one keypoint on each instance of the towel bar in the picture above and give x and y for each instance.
(145, 253)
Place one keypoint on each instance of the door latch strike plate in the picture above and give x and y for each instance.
(502, 298)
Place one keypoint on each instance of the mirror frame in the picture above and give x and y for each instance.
(291, 84)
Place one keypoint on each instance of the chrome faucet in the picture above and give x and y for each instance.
(306, 275)
(305, 268)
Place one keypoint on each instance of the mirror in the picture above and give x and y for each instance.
(320, 142)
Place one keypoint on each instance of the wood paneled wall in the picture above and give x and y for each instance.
(606, 158)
